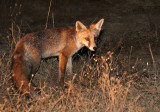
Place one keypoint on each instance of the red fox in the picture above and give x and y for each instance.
(62, 42)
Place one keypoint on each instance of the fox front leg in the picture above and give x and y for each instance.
(69, 66)
(62, 68)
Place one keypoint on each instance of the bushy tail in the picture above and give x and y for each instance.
(20, 72)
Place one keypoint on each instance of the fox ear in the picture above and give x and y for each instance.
(80, 26)
(99, 24)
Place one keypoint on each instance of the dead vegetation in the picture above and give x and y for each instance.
(93, 89)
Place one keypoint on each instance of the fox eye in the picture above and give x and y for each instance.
(87, 39)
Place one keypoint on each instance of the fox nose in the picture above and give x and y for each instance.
(94, 48)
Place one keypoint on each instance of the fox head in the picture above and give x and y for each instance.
(86, 37)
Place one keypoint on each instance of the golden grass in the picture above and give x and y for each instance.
(95, 88)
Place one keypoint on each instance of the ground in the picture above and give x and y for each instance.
(127, 80)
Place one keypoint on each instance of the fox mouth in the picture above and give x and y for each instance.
(93, 48)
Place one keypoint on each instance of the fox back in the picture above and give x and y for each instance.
(62, 42)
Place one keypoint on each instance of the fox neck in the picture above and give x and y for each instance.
(79, 45)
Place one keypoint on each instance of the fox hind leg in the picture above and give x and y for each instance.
(35, 59)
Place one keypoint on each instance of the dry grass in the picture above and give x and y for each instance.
(124, 81)
(95, 88)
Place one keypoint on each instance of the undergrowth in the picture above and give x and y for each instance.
(95, 88)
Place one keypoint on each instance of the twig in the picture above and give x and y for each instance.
(54, 104)
(53, 19)
(48, 13)
(154, 64)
